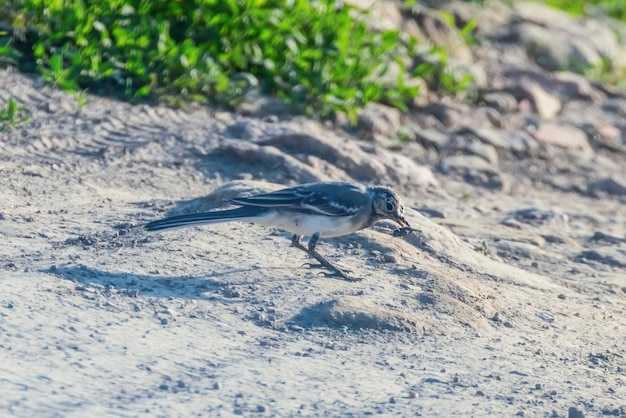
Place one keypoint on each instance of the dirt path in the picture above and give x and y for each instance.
(469, 318)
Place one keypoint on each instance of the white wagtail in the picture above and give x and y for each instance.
(318, 210)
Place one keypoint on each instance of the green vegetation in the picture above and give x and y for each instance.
(10, 116)
(613, 8)
(319, 55)
(606, 72)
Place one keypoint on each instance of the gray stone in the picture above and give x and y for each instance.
(556, 50)
(517, 141)
(609, 185)
(593, 35)
(575, 86)
(502, 101)
(610, 256)
(465, 162)
(265, 106)
(488, 19)
(546, 104)
(376, 119)
(432, 138)
(483, 150)
(564, 136)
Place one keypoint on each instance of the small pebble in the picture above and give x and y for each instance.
(393, 400)
(390, 258)
(261, 408)
(561, 296)
(412, 395)
(163, 386)
(520, 414)
(217, 385)
(573, 412)
(164, 321)
(538, 386)
(480, 393)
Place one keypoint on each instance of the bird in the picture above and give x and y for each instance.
(317, 210)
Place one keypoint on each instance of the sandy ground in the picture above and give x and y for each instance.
(99, 318)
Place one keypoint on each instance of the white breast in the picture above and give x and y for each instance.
(307, 225)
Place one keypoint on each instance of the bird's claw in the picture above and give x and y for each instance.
(335, 272)
(341, 274)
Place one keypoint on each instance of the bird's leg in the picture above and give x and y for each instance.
(313, 241)
(295, 242)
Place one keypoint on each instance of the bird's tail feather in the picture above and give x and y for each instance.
(246, 213)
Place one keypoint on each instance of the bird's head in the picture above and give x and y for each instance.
(386, 204)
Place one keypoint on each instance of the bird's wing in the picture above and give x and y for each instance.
(331, 199)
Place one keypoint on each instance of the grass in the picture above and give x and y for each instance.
(11, 115)
(318, 55)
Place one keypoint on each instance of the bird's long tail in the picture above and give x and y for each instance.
(244, 213)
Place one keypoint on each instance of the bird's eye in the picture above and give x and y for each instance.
(389, 206)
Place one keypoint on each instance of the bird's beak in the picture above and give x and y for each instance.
(402, 222)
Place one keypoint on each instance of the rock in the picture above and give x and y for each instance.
(474, 170)
(573, 412)
(432, 138)
(538, 216)
(270, 156)
(485, 151)
(516, 141)
(610, 132)
(265, 106)
(519, 250)
(573, 86)
(465, 162)
(439, 32)
(601, 35)
(454, 114)
(502, 101)
(599, 236)
(546, 104)
(402, 170)
(609, 256)
(355, 312)
(564, 136)
(431, 213)
(511, 223)
(345, 159)
(609, 185)
(376, 119)
(557, 41)
(556, 50)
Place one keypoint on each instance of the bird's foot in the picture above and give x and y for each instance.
(334, 271)
(341, 274)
